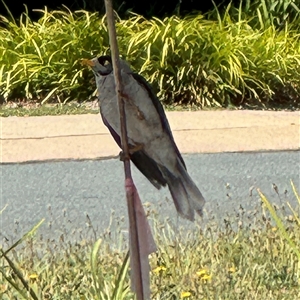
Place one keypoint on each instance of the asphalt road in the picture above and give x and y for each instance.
(65, 192)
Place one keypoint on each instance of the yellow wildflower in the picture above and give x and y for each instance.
(202, 272)
(159, 269)
(232, 269)
(185, 295)
(206, 277)
(274, 229)
(33, 277)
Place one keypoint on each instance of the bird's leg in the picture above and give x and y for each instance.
(139, 113)
(132, 149)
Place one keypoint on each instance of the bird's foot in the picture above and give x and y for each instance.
(132, 149)
(135, 148)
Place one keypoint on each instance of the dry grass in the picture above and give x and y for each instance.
(254, 255)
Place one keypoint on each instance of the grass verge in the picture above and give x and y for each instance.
(47, 110)
(238, 260)
(31, 109)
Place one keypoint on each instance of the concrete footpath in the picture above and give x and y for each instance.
(25, 139)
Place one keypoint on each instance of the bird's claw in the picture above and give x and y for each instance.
(132, 150)
(137, 147)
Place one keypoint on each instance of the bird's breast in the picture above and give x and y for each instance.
(142, 119)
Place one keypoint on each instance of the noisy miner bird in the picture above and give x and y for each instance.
(151, 144)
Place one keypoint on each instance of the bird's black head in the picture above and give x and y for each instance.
(102, 65)
(104, 59)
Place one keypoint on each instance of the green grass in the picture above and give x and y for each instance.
(240, 57)
(74, 108)
(253, 255)
(46, 110)
(71, 108)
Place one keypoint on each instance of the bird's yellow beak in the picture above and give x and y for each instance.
(87, 62)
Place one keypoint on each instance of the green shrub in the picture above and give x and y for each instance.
(42, 59)
(273, 12)
(191, 60)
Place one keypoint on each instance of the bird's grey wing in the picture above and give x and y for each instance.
(111, 130)
(147, 166)
(160, 110)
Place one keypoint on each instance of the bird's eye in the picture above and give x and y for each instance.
(104, 60)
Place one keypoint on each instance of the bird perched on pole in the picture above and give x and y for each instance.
(151, 143)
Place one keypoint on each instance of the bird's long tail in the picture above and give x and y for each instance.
(186, 196)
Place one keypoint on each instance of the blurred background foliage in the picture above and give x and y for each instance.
(281, 10)
(148, 9)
